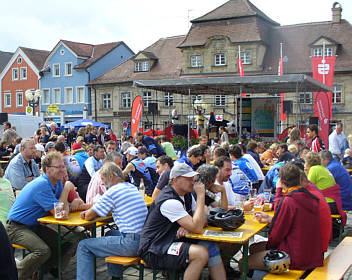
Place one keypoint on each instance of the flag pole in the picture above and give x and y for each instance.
(240, 121)
(323, 62)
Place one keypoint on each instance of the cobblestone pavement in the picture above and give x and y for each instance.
(69, 272)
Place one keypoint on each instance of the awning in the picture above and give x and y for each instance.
(233, 85)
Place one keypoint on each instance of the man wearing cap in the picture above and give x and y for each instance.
(50, 147)
(22, 168)
(173, 214)
(39, 154)
(136, 170)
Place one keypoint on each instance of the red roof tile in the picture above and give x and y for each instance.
(168, 64)
(37, 57)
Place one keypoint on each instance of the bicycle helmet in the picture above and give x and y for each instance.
(277, 261)
(211, 215)
(229, 220)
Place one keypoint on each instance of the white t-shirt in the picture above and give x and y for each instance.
(231, 196)
(174, 210)
(256, 166)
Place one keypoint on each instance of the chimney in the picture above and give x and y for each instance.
(336, 12)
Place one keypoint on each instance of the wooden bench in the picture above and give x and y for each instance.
(336, 264)
(24, 254)
(127, 262)
(291, 274)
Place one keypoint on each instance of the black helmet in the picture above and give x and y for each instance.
(211, 215)
(277, 261)
(229, 220)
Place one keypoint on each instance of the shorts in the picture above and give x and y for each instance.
(177, 256)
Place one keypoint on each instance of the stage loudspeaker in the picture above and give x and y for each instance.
(180, 129)
(3, 118)
(287, 106)
(152, 108)
(314, 120)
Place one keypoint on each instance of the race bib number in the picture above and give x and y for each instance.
(174, 248)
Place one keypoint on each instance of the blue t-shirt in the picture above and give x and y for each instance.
(35, 200)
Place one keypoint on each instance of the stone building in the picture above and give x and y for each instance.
(211, 48)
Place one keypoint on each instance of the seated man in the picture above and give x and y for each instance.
(295, 227)
(35, 201)
(96, 187)
(341, 176)
(110, 146)
(91, 165)
(172, 215)
(136, 170)
(237, 159)
(129, 212)
(153, 147)
(22, 169)
(163, 168)
(193, 157)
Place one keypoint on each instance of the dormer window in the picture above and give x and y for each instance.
(220, 59)
(319, 51)
(196, 60)
(245, 57)
(141, 66)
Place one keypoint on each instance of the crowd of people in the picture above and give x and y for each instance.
(92, 171)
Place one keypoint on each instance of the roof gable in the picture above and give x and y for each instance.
(169, 64)
(34, 58)
(234, 9)
(323, 39)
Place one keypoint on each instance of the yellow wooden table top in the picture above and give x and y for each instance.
(249, 229)
(336, 264)
(148, 200)
(267, 167)
(74, 220)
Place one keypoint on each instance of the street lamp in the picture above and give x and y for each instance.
(33, 97)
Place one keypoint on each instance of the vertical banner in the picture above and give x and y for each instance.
(282, 114)
(137, 108)
(323, 71)
(240, 66)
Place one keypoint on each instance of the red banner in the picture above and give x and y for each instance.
(137, 108)
(240, 70)
(323, 71)
(282, 114)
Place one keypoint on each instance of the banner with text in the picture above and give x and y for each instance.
(323, 71)
(137, 108)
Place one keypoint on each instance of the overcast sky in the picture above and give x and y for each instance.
(40, 24)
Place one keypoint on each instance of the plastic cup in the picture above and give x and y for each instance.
(59, 210)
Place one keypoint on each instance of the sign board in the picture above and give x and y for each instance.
(29, 111)
(219, 118)
(53, 108)
(125, 124)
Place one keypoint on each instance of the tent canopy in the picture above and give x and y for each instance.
(83, 123)
(235, 85)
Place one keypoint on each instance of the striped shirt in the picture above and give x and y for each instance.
(127, 206)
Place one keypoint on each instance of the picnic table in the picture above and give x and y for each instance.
(73, 221)
(244, 233)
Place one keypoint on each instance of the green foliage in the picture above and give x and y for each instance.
(179, 142)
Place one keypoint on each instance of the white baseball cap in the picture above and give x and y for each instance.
(133, 151)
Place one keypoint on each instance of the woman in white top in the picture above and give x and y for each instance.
(223, 135)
